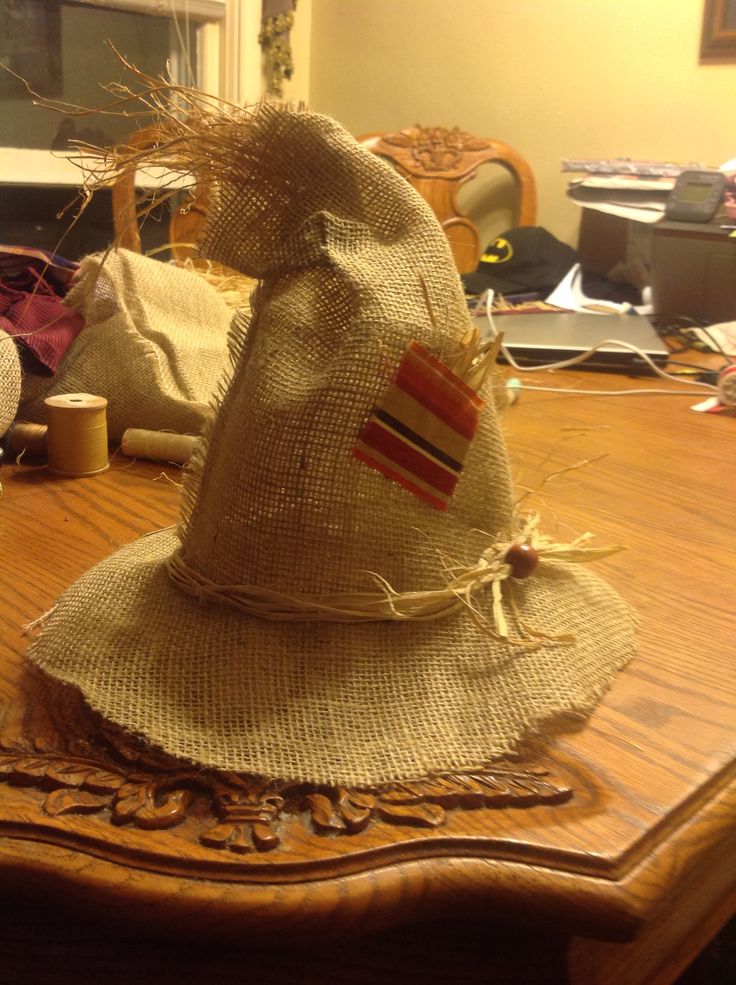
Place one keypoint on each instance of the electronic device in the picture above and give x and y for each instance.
(538, 338)
(695, 196)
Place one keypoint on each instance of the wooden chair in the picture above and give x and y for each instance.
(437, 162)
(186, 222)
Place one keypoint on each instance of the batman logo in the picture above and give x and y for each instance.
(500, 251)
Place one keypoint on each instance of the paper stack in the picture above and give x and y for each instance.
(643, 199)
(624, 187)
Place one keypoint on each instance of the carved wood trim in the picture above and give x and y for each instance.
(438, 149)
(125, 782)
(437, 161)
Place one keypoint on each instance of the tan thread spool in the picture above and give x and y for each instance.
(160, 446)
(25, 438)
(76, 441)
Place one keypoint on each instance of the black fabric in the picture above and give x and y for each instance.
(527, 258)
(602, 289)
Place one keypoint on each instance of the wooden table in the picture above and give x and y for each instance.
(624, 882)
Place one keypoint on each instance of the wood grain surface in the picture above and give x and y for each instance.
(625, 881)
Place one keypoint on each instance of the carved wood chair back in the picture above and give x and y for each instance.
(437, 161)
(186, 222)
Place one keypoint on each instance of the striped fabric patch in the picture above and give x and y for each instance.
(420, 433)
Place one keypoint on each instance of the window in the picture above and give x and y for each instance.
(59, 47)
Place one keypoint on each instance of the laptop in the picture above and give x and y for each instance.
(538, 338)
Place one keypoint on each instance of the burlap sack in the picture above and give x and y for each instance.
(10, 376)
(268, 670)
(154, 344)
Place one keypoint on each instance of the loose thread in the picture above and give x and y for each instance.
(555, 475)
(163, 475)
(29, 627)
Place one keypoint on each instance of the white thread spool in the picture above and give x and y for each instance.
(76, 441)
(727, 386)
(161, 446)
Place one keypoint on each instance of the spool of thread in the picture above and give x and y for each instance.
(26, 439)
(76, 440)
(727, 386)
(160, 446)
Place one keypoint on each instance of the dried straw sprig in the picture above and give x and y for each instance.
(234, 288)
(176, 130)
(470, 360)
(186, 132)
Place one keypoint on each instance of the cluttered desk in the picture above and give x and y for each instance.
(656, 255)
(357, 710)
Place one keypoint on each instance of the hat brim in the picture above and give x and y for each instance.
(195, 678)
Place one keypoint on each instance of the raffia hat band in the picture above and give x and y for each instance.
(517, 558)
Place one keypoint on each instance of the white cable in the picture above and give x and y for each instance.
(614, 393)
(564, 363)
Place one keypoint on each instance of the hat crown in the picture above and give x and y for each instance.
(281, 502)
(308, 671)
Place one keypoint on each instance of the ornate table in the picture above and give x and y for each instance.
(606, 856)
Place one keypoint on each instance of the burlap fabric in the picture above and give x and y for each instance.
(278, 501)
(154, 344)
(10, 376)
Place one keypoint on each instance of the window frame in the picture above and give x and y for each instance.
(228, 66)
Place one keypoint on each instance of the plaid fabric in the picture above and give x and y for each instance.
(420, 433)
(32, 285)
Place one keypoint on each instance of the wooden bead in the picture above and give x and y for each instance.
(523, 560)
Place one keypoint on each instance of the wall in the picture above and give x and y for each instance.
(553, 78)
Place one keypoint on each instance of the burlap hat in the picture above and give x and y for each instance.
(10, 379)
(337, 603)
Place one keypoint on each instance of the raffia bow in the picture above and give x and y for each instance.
(386, 604)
